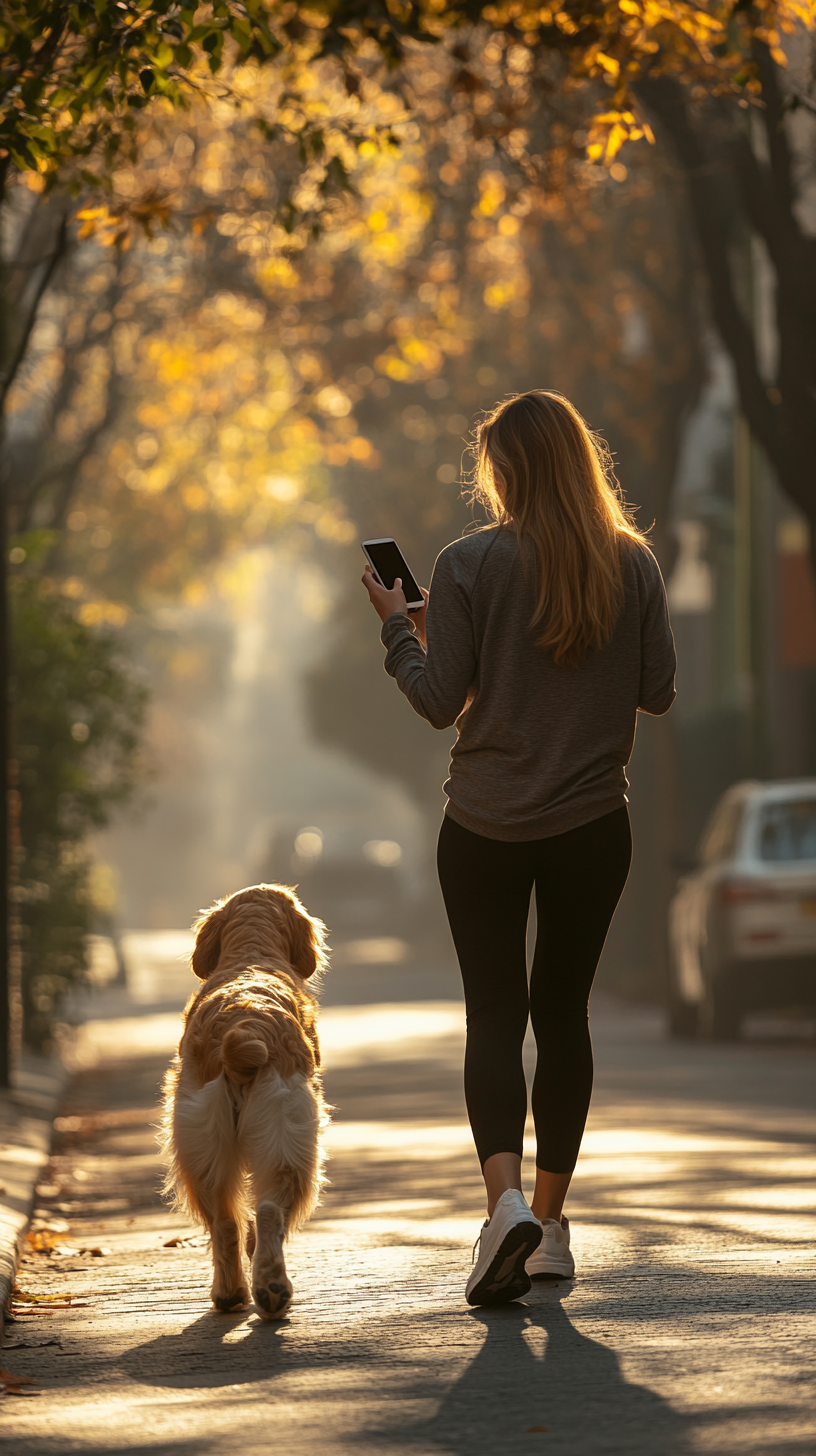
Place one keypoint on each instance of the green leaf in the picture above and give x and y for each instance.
(94, 74)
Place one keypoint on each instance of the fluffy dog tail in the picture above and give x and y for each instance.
(244, 1051)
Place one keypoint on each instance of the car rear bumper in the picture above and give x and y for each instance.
(774, 981)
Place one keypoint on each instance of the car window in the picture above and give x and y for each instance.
(719, 840)
(787, 831)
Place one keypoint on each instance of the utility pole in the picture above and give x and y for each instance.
(743, 568)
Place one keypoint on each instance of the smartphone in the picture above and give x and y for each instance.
(387, 562)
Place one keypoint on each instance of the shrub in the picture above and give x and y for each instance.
(77, 717)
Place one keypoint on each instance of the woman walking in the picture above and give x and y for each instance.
(545, 634)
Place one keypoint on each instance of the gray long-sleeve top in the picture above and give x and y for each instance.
(540, 749)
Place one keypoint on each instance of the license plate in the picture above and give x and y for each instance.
(808, 907)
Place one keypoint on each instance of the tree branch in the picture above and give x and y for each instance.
(8, 376)
(774, 118)
(714, 223)
(757, 193)
(63, 499)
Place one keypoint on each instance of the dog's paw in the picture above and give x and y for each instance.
(273, 1300)
(229, 1302)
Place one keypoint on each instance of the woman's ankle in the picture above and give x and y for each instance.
(546, 1212)
(550, 1192)
(501, 1172)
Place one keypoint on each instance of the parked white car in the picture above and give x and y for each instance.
(742, 924)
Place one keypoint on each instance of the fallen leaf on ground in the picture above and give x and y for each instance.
(22, 1296)
(96, 1251)
(11, 1383)
(45, 1240)
(23, 1303)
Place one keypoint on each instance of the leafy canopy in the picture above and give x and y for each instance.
(72, 76)
(198, 392)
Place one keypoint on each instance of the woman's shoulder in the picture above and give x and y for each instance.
(468, 553)
(641, 562)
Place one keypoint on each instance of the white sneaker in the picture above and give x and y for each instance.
(505, 1243)
(552, 1257)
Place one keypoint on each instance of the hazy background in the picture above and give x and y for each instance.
(214, 409)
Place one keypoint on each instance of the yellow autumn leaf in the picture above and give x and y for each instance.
(610, 65)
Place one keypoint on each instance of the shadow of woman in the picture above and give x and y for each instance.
(569, 1397)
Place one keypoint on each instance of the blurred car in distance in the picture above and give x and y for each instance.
(742, 923)
(356, 886)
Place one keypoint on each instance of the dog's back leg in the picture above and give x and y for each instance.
(279, 1134)
(271, 1286)
(229, 1290)
(209, 1179)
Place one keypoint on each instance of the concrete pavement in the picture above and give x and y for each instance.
(26, 1113)
(689, 1328)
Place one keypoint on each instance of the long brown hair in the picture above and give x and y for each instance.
(542, 471)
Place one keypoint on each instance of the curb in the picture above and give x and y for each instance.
(26, 1128)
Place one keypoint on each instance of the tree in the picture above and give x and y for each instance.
(341, 377)
(74, 77)
(547, 97)
(77, 712)
(722, 86)
(745, 183)
(73, 80)
(259, 383)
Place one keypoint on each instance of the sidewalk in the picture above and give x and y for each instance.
(26, 1115)
(688, 1329)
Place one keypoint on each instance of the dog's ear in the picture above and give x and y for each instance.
(307, 942)
(208, 929)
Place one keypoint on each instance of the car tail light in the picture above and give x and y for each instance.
(736, 892)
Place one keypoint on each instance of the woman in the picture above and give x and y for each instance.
(546, 633)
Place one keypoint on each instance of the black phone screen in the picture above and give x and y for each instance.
(389, 563)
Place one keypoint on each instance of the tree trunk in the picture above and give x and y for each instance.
(733, 195)
(14, 338)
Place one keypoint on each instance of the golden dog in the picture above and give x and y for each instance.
(243, 1100)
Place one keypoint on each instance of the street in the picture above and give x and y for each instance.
(689, 1327)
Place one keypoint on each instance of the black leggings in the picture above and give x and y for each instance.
(486, 884)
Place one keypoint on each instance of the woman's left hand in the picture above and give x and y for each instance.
(384, 602)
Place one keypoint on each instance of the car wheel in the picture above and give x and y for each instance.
(720, 1012)
(683, 1018)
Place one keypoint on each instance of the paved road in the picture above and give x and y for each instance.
(690, 1327)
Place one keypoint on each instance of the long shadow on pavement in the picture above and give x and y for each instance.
(570, 1400)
